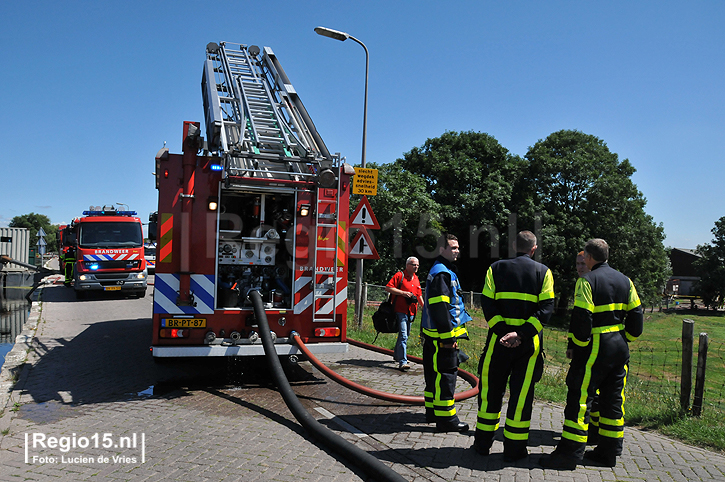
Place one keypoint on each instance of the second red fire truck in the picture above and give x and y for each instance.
(260, 205)
(103, 251)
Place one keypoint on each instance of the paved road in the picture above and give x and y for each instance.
(90, 374)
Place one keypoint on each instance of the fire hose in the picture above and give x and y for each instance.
(372, 467)
(469, 377)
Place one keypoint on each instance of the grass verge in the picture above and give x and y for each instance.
(652, 393)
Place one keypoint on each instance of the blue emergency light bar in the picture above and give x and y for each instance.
(109, 213)
(215, 167)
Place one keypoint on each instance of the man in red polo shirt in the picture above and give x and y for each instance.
(404, 286)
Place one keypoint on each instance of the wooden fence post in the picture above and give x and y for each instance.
(700, 375)
(688, 339)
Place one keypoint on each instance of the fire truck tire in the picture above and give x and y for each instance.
(373, 468)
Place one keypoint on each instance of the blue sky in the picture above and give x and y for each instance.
(90, 91)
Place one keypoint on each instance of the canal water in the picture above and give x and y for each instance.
(13, 315)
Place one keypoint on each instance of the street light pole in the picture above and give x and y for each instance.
(342, 36)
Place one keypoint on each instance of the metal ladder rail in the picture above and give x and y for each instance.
(232, 117)
(285, 131)
(295, 132)
(333, 275)
(259, 133)
(261, 117)
(237, 64)
(298, 115)
(265, 120)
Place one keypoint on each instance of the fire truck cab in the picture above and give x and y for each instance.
(108, 252)
(260, 205)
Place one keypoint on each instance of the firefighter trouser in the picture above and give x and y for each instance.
(601, 365)
(521, 367)
(69, 265)
(440, 369)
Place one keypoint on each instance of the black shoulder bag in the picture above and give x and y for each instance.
(384, 319)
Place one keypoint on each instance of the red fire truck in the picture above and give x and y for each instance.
(109, 254)
(260, 205)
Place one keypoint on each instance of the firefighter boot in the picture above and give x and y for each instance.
(482, 442)
(560, 460)
(453, 425)
(600, 458)
(514, 450)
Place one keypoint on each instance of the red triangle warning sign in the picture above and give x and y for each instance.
(362, 246)
(363, 216)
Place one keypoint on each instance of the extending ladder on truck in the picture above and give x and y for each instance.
(257, 124)
(325, 275)
(254, 118)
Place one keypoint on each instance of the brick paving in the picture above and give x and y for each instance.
(217, 432)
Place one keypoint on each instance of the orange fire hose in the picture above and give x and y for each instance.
(407, 399)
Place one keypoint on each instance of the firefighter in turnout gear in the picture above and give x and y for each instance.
(443, 324)
(607, 315)
(518, 298)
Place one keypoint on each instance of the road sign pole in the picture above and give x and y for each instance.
(362, 218)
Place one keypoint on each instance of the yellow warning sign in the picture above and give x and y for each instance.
(365, 181)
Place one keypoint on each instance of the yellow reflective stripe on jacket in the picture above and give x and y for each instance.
(458, 331)
(547, 289)
(576, 341)
(633, 301)
(583, 295)
(537, 324)
(607, 329)
(489, 286)
(609, 307)
(494, 320)
(513, 295)
(516, 322)
(630, 337)
(439, 299)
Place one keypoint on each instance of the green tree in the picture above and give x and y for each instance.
(582, 190)
(398, 205)
(711, 267)
(33, 222)
(472, 178)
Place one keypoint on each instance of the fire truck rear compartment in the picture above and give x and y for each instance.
(256, 242)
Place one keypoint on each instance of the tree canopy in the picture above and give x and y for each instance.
(567, 189)
(33, 222)
(472, 178)
(584, 191)
(711, 267)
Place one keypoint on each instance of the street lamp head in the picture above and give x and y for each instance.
(328, 32)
